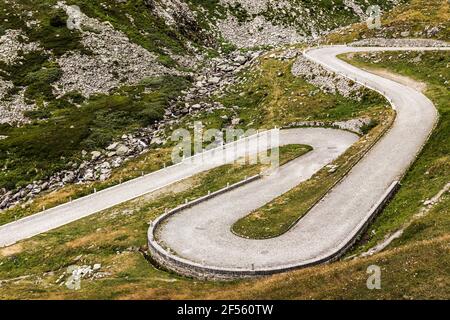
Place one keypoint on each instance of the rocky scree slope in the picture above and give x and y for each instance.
(159, 61)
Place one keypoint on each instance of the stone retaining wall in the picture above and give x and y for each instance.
(200, 271)
(192, 269)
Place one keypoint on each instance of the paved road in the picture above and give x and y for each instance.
(322, 231)
(201, 234)
(59, 216)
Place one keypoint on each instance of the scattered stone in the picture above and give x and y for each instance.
(382, 42)
(95, 155)
(14, 44)
(235, 121)
(354, 125)
(327, 81)
(12, 108)
(113, 55)
(122, 150)
(257, 32)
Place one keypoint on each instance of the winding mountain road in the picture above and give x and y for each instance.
(201, 236)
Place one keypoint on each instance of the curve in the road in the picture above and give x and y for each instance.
(197, 241)
(201, 235)
(83, 207)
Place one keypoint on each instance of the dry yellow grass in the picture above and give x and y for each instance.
(404, 275)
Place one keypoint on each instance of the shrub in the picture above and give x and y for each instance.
(39, 83)
(74, 97)
(150, 114)
(59, 19)
(365, 129)
(37, 114)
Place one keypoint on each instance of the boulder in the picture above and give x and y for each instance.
(69, 177)
(112, 146)
(95, 155)
(122, 150)
(214, 80)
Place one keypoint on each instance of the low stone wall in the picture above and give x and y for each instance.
(179, 265)
(381, 42)
(191, 269)
(200, 271)
(376, 210)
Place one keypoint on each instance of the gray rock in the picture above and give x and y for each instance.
(69, 177)
(235, 121)
(405, 34)
(214, 80)
(122, 150)
(112, 146)
(95, 155)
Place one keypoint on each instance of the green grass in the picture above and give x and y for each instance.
(36, 75)
(69, 129)
(415, 271)
(100, 237)
(279, 215)
(270, 95)
(292, 151)
(416, 17)
(431, 171)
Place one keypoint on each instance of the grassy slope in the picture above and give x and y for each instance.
(415, 17)
(100, 237)
(415, 271)
(431, 171)
(270, 95)
(278, 216)
(60, 130)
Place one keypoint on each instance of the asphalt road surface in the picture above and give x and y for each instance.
(201, 234)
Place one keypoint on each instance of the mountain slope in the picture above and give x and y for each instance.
(413, 266)
(76, 76)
